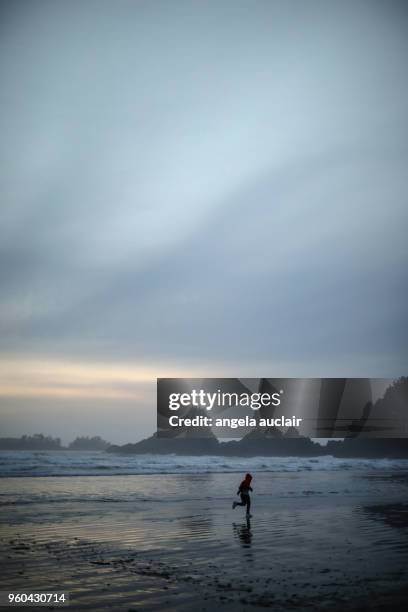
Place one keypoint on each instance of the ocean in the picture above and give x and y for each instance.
(92, 463)
(158, 532)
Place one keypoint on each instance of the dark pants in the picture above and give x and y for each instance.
(245, 501)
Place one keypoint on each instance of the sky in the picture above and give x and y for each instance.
(197, 189)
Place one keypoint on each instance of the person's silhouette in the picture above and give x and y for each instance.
(243, 490)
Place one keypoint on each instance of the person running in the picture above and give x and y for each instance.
(243, 490)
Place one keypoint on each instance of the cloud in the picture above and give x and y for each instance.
(222, 182)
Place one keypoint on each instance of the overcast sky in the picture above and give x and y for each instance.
(196, 188)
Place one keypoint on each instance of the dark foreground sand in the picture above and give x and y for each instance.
(317, 541)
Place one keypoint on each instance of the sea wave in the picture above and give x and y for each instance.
(66, 463)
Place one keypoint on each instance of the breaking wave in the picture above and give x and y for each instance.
(68, 463)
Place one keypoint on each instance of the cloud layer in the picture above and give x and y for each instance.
(194, 183)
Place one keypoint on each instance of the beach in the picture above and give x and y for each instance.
(320, 538)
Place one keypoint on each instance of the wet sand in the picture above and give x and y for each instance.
(317, 541)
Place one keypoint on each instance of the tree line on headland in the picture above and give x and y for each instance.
(41, 442)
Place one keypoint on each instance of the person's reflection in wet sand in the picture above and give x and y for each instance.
(244, 534)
